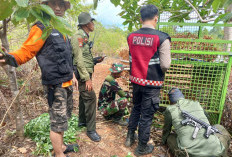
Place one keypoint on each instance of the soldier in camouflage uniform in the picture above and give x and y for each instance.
(84, 62)
(109, 107)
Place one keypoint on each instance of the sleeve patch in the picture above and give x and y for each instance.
(81, 42)
(86, 40)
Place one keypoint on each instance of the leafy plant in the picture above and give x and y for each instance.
(38, 130)
(32, 11)
(129, 155)
(108, 40)
(180, 10)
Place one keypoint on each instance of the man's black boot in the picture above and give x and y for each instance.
(143, 149)
(108, 117)
(130, 138)
(120, 122)
(93, 135)
(118, 118)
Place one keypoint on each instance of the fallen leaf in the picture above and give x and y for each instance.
(22, 150)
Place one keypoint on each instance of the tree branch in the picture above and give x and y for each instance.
(198, 14)
(7, 21)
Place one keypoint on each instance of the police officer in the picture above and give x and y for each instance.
(109, 107)
(56, 67)
(150, 58)
(84, 62)
(181, 142)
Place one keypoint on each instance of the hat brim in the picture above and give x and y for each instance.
(66, 3)
(92, 19)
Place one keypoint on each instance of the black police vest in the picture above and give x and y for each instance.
(55, 58)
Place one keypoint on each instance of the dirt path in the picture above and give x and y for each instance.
(113, 136)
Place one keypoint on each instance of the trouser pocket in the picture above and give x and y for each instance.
(155, 103)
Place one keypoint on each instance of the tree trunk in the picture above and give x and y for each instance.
(13, 84)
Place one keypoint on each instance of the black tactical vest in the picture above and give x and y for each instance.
(55, 58)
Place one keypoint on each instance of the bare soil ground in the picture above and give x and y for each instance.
(33, 104)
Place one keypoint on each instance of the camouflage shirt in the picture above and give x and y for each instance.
(109, 90)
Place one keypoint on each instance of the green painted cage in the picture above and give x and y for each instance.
(201, 64)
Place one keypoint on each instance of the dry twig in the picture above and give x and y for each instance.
(28, 79)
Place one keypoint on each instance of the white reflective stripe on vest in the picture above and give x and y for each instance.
(145, 82)
(154, 61)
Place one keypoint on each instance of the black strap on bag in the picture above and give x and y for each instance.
(51, 92)
(76, 73)
(50, 96)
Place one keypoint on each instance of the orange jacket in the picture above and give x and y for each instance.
(31, 47)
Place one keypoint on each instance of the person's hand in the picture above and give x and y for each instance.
(75, 82)
(2, 61)
(88, 85)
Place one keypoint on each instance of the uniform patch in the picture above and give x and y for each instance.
(81, 42)
(143, 41)
(86, 40)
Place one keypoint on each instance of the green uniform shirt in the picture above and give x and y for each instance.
(82, 56)
(199, 147)
(109, 90)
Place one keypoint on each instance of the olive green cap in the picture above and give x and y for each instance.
(84, 18)
(66, 3)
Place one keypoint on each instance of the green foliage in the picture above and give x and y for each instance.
(38, 130)
(168, 29)
(95, 2)
(180, 10)
(115, 2)
(22, 3)
(216, 4)
(78, 6)
(129, 155)
(34, 11)
(108, 40)
(6, 8)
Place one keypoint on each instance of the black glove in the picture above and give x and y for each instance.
(10, 60)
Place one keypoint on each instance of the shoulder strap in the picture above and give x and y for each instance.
(40, 25)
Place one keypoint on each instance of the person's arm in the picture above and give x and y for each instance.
(30, 47)
(167, 126)
(115, 87)
(74, 81)
(77, 44)
(165, 55)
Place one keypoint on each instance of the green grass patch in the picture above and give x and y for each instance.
(38, 130)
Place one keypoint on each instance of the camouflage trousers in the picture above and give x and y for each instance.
(60, 102)
(224, 139)
(114, 106)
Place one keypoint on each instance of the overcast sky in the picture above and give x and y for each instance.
(107, 13)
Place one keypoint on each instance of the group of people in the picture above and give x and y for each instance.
(65, 63)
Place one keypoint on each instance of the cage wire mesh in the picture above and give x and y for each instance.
(200, 63)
